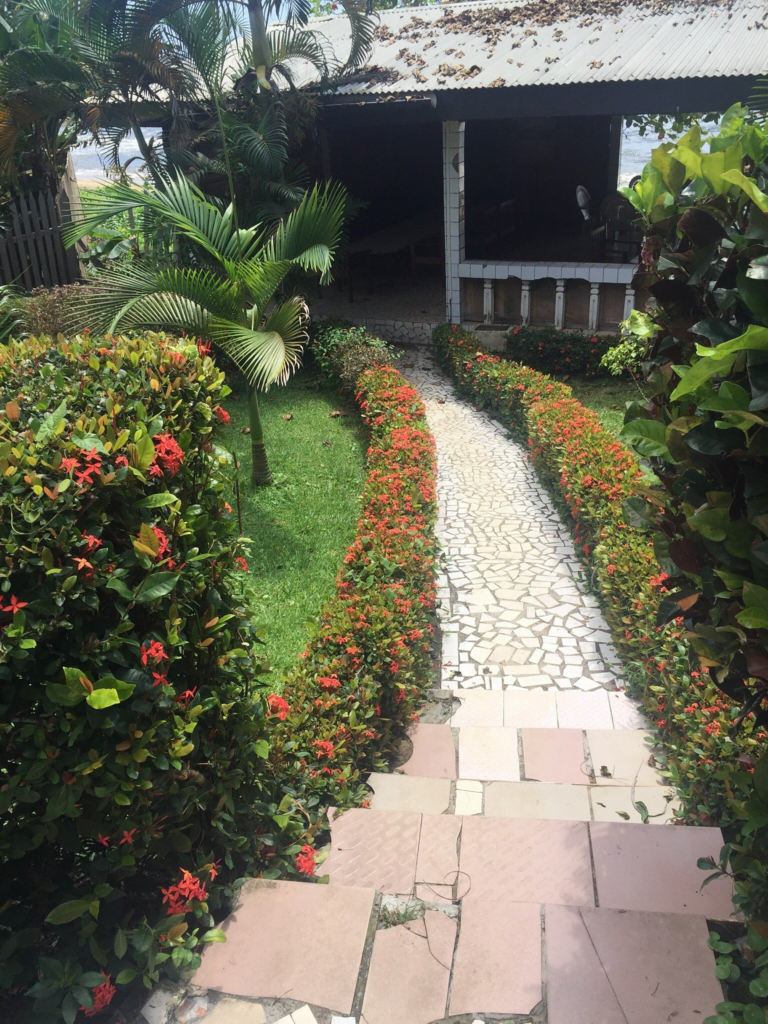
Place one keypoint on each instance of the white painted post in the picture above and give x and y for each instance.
(629, 301)
(525, 303)
(453, 215)
(488, 298)
(560, 304)
(594, 306)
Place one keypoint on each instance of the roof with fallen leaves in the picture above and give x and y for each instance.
(488, 44)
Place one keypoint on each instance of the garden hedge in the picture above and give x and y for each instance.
(145, 769)
(595, 476)
(552, 350)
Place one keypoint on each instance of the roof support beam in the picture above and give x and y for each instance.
(453, 215)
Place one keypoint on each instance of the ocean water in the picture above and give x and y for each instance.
(89, 166)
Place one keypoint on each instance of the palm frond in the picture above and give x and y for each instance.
(272, 353)
(362, 25)
(311, 233)
(261, 278)
(289, 43)
(263, 149)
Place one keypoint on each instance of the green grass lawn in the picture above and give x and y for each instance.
(302, 524)
(607, 397)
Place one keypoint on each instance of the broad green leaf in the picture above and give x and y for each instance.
(701, 372)
(69, 911)
(748, 185)
(87, 442)
(754, 339)
(67, 696)
(145, 452)
(753, 618)
(648, 436)
(47, 428)
(121, 943)
(214, 935)
(101, 699)
(714, 165)
(755, 596)
(125, 977)
(672, 171)
(157, 500)
(155, 586)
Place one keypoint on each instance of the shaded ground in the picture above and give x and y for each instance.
(607, 397)
(301, 526)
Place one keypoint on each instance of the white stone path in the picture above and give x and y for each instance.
(504, 868)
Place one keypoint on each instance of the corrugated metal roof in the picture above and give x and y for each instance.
(486, 43)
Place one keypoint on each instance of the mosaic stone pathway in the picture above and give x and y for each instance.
(519, 865)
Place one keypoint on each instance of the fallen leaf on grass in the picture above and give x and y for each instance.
(287, 415)
(327, 444)
(245, 430)
(335, 414)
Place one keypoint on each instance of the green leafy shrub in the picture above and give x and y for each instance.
(51, 311)
(554, 351)
(344, 351)
(132, 767)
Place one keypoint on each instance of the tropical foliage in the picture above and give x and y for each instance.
(226, 289)
(344, 351)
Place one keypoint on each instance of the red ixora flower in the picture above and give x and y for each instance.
(168, 453)
(222, 415)
(103, 995)
(242, 565)
(155, 653)
(278, 706)
(14, 605)
(305, 860)
(179, 896)
(328, 682)
(324, 748)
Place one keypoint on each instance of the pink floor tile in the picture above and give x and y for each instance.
(374, 849)
(554, 755)
(526, 860)
(291, 940)
(498, 958)
(642, 868)
(438, 859)
(410, 970)
(434, 755)
(613, 967)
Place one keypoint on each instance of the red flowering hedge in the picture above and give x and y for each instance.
(364, 673)
(554, 351)
(598, 482)
(133, 779)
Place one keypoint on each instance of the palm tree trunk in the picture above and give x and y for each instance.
(260, 471)
(259, 42)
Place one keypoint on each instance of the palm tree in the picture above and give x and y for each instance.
(227, 288)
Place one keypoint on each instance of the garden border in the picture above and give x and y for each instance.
(594, 477)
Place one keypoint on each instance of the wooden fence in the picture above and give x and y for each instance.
(31, 249)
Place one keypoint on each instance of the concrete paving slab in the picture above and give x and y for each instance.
(434, 753)
(614, 803)
(626, 755)
(526, 860)
(488, 754)
(279, 918)
(374, 849)
(529, 709)
(479, 708)
(236, 1011)
(554, 755)
(410, 970)
(469, 797)
(438, 860)
(628, 968)
(654, 869)
(625, 711)
(537, 800)
(498, 958)
(408, 793)
(579, 710)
